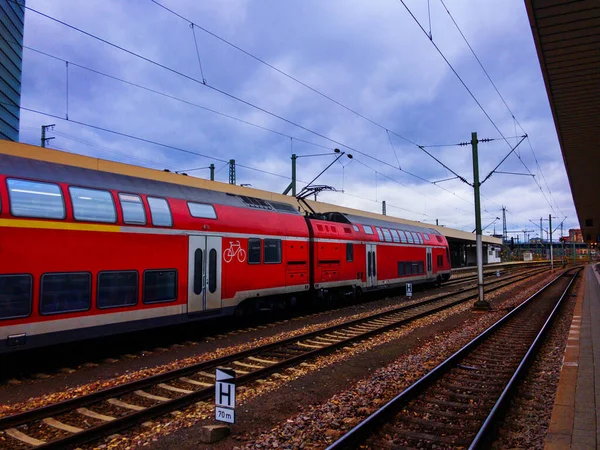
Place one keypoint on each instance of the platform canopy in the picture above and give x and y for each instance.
(567, 38)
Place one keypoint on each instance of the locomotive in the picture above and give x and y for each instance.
(89, 249)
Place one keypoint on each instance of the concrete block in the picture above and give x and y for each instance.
(214, 433)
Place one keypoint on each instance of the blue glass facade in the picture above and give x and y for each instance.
(12, 15)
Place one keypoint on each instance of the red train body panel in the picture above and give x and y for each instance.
(85, 253)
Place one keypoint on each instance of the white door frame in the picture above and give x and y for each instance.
(371, 265)
(429, 263)
(204, 273)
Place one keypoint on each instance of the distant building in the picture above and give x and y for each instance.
(575, 235)
(12, 19)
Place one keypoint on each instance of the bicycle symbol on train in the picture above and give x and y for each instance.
(235, 249)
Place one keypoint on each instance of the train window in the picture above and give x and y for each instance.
(254, 251)
(400, 269)
(420, 267)
(272, 251)
(160, 286)
(395, 236)
(355, 227)
(349, 252)
(133, 209)
(368, 229)
(65, 292)
(212, 271)
(420, 238)
(408, 268)
(35, 199)
(387, 235)
(426, 236)
(440, 260)
(402, 236)
(117, 289)
(15, 296)
(409, 237)
(93, 205)
(379, 233)
(202, 210)
(415, 268)
(198, 262)
(160, 211)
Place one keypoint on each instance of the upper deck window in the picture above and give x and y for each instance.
(403, 238)
(395, 236)
(368, 229)
(133, 209)
(35, 199)
(160, 212)
(410, 237)
(379, 233)
(92, 205)
(387, 235)
(202, 210)
(355, 227)
(426, 236)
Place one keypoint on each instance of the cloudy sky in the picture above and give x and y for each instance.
(391, 92)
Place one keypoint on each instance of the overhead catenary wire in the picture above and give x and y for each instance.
(260, 60)
(148, 141)
(227, 94)
(475, 99)
(516, 121)
(172, 97)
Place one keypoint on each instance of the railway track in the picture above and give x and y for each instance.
(458, 404)
(96, 415)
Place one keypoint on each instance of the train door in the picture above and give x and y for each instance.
(371, 265)
(204, 273)
(429, 263)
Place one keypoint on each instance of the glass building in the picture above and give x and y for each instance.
(12, 15)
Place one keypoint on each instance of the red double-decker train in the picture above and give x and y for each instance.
(86, 253)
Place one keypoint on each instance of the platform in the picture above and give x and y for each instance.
(575, 422)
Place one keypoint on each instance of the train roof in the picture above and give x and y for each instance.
(73, 160)
(42, 170)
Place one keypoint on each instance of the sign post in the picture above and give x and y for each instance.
(409, 289)
(225, 395)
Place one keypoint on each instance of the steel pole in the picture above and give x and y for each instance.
(481, 303)
(212, 172)
(551, 252)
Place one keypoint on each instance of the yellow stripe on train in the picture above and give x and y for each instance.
(50, 225)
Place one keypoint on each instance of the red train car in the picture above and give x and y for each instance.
(85, 253)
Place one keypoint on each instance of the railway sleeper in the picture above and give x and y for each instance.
(466, 387)
(449, 404)
(450, 415)
(418, 438)
(459, 395)
(427, 423)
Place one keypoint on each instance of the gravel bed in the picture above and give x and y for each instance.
(241, 341)
(20, 395)
(319, 425)
(528, 419)
(419, 365)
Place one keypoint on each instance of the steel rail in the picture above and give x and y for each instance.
(121, 423)
(357, 435)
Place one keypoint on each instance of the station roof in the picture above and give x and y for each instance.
(567, 38)
(71, 159)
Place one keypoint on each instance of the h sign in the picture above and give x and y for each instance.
(225, 395)
(409, 289)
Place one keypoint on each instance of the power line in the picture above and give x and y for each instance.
(188, 77)
(172, 97)
(148, 141)
(278, 70)
(507, 107)
(475, 99)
